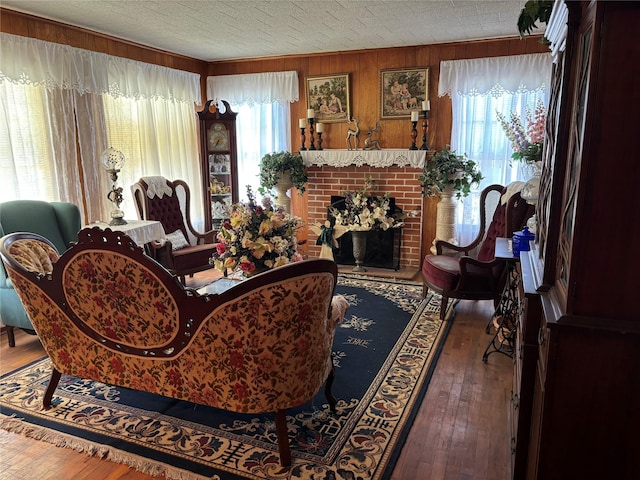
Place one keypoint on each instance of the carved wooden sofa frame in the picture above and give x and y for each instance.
(107, 312)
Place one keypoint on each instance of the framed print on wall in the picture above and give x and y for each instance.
(329, 97)
(403, 91)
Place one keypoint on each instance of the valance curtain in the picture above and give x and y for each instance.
(263, 123)
(255, 88)
(39, 63)
(494, 76)
(478, 89)
(67, 97)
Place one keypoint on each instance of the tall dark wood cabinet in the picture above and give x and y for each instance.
(585, 405)
(219, 164)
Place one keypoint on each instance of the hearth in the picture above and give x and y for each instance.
(383, 246)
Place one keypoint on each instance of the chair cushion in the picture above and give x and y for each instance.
(193, 256)
(442, 271)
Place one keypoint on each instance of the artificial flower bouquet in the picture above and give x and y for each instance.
(526, 143)
(256, 237)
(364, 212)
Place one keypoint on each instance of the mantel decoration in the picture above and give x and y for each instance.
(113, 161)
(256, 238)
(447, 174)
(364, 212)
(282, 171)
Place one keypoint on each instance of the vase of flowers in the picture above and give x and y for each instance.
(256, 237)
(527, 143)
(361, 213)
(281, 171)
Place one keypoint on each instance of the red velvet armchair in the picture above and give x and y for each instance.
(472, 272)
(185, 251)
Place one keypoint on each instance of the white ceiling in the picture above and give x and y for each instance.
(212, 30)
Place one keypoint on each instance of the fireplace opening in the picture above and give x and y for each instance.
(383, 246)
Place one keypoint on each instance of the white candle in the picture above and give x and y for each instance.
(311, 113)
(414, 116)
(302, 122)
(319, 127)
(426, 105)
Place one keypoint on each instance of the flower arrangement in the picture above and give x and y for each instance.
(448, 169)
(527, 144)
(256, 237)
(363, 212)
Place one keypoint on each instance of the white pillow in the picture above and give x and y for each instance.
(177, 240)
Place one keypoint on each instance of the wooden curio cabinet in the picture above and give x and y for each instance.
(218, 163)
(585, 413)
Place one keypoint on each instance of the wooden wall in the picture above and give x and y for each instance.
(363, 66)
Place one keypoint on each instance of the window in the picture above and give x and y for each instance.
(261, 129)
(479, 88)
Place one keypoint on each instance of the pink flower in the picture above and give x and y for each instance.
(221, 248)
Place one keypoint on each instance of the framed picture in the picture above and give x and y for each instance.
(403, 91)
(329, 97)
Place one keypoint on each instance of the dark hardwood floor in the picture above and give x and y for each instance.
(461, 431)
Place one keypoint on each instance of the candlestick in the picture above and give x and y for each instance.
(425, 126)
(311, 113)
(414, 135)
(313, 145)
(319, 139)
(302, 136)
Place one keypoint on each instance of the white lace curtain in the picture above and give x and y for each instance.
(478, 89)
(263, 123)
(52, 65)
(49, 91)
(255, 88)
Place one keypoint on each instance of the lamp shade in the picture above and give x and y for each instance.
(112, 159)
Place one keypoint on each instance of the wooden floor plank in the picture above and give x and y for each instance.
(460, 432)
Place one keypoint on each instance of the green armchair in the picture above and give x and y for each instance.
(59, 222)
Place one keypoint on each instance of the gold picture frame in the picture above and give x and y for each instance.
(403, 91)
(330, 98)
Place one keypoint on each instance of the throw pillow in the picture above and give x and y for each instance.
(177, 240)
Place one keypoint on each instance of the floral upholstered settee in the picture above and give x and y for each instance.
(105, 311)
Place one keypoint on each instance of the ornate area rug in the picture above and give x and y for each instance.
(384, 353)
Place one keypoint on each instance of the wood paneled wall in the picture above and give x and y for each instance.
(363, 66)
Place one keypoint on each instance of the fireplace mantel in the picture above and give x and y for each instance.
(375, 158)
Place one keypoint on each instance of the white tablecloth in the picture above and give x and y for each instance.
(140, 231)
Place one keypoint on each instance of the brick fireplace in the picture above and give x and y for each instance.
(401, 182)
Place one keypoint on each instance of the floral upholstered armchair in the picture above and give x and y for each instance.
(105, 311)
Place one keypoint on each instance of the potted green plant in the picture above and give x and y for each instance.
(447, 170)
(534, 11)
(273, 165)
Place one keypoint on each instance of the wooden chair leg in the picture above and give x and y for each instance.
(283, 438)
(48, 394)
(443, 306)
(327, 389)
(11, 336)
